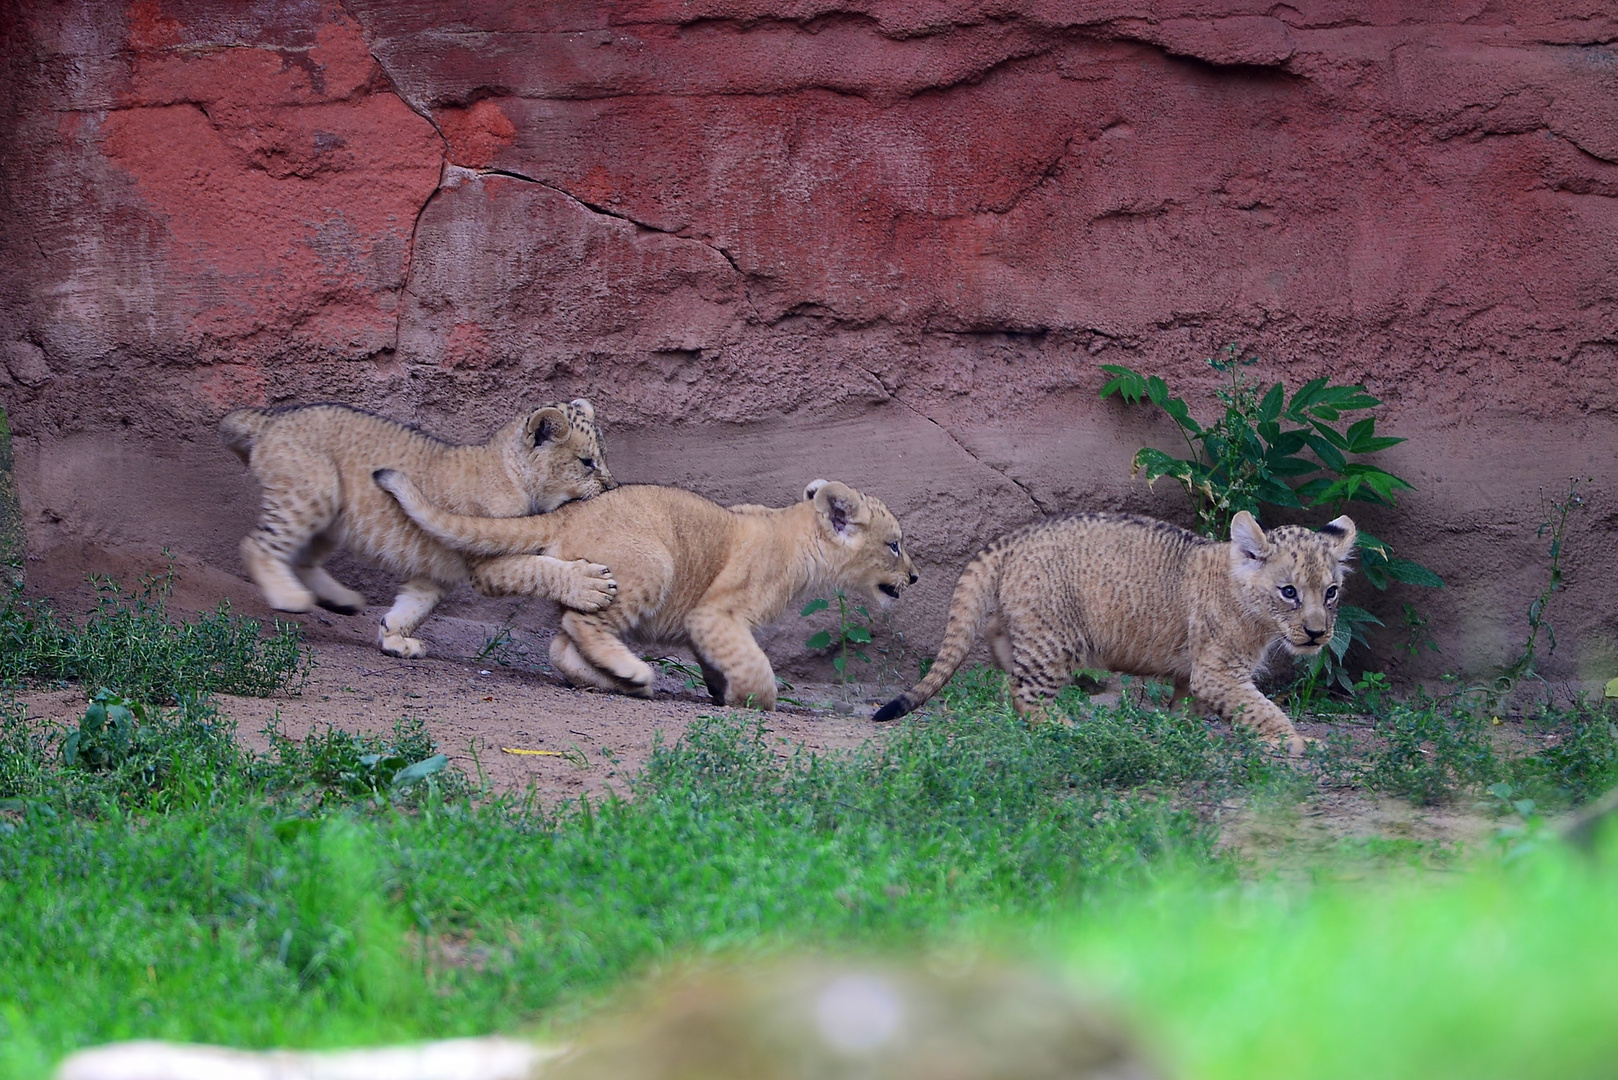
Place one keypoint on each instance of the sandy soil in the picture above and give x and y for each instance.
(480, 712)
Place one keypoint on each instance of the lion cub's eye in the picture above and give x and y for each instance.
(1289, 592)
(893, 546)
(1331, 592)
(588, 463)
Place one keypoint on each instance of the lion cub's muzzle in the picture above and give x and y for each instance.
(890, 589)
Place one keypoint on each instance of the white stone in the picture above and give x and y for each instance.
(453, 1059)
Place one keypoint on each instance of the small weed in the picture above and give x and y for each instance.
(498, 648)
(121, 755)
(690, 674)
(853, 628)
(1554, 524)
(1580, 761)
(333, 764)
(129, 644)
(1430, 754)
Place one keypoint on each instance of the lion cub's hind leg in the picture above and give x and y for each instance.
(413, 604)
(330, 593)
(603, 650)
(576, 669)
(1041, 665)
(301, 498)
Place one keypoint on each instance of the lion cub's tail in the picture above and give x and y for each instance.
(473, 535)
(240, 430)
(968, 610)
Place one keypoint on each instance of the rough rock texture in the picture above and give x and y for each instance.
(875, 240)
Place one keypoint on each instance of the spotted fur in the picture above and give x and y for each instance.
(1143, 597)
(314, 463)
(691, 573)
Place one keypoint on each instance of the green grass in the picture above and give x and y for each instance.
(158, 881)
(1503, 971)
(130, 644)
(247, 920)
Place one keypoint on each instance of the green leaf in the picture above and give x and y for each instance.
(1306, 396)
(1276, 493)
(1289, 466)
(821, 640)
(819, 603)
(1126, 383)
(1413, 573)
(857, 634)
(839, 663)
(1328, 454)
(1269, 407)
(1177, 408)
(420, 770)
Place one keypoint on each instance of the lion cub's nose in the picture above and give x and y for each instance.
(1314, 635)
(913, 579)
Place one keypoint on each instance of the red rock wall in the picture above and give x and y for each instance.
(889, 242)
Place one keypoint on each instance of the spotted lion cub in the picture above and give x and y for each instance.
(1144, 597)
(314, 463)
(690, 572)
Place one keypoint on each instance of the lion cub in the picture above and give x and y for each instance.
(690, 572)
(314, 463)
(1144, 597)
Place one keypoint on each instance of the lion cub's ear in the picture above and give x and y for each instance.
(1249, 547)
(549, 424)
(584, 406)
(843, 508)
(1342, 530)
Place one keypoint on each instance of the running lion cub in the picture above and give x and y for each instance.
(1144, 597)
(314, 463)
(690, 572)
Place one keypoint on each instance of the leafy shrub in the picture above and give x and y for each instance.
(129, 644)
(1268, 450)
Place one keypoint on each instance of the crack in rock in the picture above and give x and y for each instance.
(1002, 473)
(595, 208)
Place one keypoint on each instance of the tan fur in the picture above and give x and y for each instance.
(690, 572)
(315, 463)
(1143, 597)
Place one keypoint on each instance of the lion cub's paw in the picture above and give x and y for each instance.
(1295, 745)
(408, 648)
(587, 587)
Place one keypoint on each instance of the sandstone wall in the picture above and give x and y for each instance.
(887, 242)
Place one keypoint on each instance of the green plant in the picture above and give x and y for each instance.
(129, 644)
(1417, 637)
(1268, 450)
(334, 763)
(1580, 759)
(106, 732)
(121, 755)
(853, 628)
(1554, 522)
(1430, 754)
(690, 674)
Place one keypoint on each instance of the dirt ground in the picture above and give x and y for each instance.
(515, 727)
(480, 714)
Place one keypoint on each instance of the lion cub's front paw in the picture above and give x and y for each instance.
(1295, 745)
(588, 587)
(407, 648)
